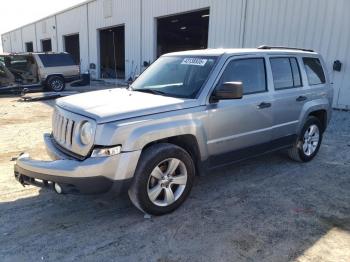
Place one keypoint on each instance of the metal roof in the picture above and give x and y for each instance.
(52, 15)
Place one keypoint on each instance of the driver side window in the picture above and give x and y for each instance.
(250, 71)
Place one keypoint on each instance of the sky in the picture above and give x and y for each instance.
(15, 13)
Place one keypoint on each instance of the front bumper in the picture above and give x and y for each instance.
(90, 176)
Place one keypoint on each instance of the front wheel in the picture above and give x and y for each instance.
(309, 141)
(163, 179)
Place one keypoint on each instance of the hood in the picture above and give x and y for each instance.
(117, 104)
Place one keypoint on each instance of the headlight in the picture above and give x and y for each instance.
(86, 133)
(107, 151)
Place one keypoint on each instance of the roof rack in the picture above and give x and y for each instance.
(284, 47)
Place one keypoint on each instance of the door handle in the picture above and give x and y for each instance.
(264, 105)
(301, 98)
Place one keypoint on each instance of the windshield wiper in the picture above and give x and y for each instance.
(149, 90)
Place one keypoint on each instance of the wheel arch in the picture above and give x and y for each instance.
(188, 142)
(319, 108)
(53, 75)
(320, 114)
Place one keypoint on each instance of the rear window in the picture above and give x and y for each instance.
(285, 71)
(52, 60)
(314, 71)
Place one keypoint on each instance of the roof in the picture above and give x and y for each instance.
(30, 53)
(49, 16)
(222, 51)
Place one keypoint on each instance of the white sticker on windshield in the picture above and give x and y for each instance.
(194, 61)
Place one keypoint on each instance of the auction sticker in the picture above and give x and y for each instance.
(194, 61)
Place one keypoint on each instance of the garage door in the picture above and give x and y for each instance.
(112, 52)
(183, 32)
(71, 44)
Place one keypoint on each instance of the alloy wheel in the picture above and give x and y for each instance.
(311, 140)
(167, 182)
(57, 85)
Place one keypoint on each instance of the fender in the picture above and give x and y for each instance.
(142, 136)
(138, 134)
(312, 106)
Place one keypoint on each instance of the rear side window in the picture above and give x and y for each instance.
(286, 73)
(251, 72)
(52, 60)
(314, 71)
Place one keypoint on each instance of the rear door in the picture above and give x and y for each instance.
(241, 123)
(289, 96)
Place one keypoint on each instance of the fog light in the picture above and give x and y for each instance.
(58, 188)
(107, 151)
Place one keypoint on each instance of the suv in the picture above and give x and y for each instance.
(50, 70)
(187, 113)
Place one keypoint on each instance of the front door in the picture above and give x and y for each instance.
(237, 126)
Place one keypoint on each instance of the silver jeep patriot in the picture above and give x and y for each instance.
(188, 113)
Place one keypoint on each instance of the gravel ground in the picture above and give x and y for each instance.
(266, 209)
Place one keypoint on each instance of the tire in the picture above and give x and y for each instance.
(305, 150)
(150, 193)
(56, 83)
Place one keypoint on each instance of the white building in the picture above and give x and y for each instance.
(117, 37)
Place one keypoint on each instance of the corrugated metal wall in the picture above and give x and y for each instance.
(125, 13)
(6, 42)
(74, 21)
(322, 25)
(28, 35)
(16, 40)
(46, 29)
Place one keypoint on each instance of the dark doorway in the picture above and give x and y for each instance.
(183, 32)
(46, 45)
(29, 47)
(112, 52)
(71, 45)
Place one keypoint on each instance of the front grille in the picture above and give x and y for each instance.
(63, 129)
(65, 132)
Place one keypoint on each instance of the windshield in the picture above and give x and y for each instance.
(176, 76)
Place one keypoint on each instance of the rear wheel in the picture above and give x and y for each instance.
(309, 141)
(163, 179)
(56, 83)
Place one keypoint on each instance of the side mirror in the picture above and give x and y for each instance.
(228, 90)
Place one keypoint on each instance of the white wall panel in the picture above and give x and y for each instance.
(321, 25)
(6, 43)
(74, 21)
(123, 13)
(16, 41)
(46, 29)
(28, 35)
(226, 25)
